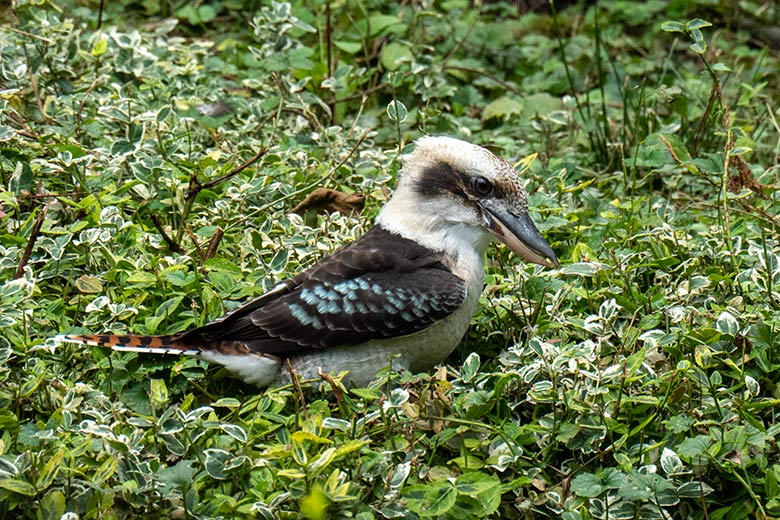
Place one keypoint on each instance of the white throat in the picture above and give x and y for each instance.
(440, 227)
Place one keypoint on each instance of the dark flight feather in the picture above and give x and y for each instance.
(378, 287)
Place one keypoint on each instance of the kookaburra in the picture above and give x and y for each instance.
(402, 295)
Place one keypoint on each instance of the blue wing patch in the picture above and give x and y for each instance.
(369, 306)
(380, 286)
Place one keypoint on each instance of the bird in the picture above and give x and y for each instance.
(401, 295)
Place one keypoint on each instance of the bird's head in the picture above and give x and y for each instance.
(451, 186)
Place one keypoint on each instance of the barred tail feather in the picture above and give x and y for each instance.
(132, 343)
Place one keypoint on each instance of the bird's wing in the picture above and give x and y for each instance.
(380, 286)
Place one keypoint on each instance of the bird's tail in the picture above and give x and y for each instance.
(132, 343)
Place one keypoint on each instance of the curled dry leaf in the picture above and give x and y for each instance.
(324, 200)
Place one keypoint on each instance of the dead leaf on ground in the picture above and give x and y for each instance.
(324, 200)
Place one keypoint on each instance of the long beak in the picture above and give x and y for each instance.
(520, 235)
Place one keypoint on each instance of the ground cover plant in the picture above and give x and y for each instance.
(152, 152)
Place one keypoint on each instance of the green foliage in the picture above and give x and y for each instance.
(148, 168)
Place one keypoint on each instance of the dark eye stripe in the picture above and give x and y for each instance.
(442, 178)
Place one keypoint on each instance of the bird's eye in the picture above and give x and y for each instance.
(482, 186)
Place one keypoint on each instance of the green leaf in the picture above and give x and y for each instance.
(191, 499)
(88, 284)
(52, 506)
(322, 461)
(106, 470)
(652, 153)
(695, 449)
(483, 488)
(142, 278)
(474, 482)
(49, 471)
(279, 261)
(17, 486)
(679, 423)
(314, 506)
(6, 133)
(22, 179)
(227, 402)
(8, 420)
(397, 111)
(470, 367)
(350, 446)
(299, 453)
(167, 307)
(432, 499)
(670, 462)
(216, 462)
(697, 23)
(206, 13)
(587, 485)
(584, 268)
(178, 277)
(739, 150)
(699, 47)
(135, 133)
(752, 385)
(394, 55)
(379, 23)
(670, 26)
(502, 108)
(180, 475)
(122, 147)
(158, 392)
(727, 324)
(694, 489)
(100, 47)
(348, 46)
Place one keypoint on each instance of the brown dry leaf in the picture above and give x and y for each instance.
(324, 200)
(744, 178)
(735, 457)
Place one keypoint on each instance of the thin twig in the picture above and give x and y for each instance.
(195, 187)
(25, 131)
(81, 105)
(69, 194)
(297, 385)
(34, 233)
(334, 386)
(37, 92)
(361, 94)
(195, 242)
(488, 75)
(214, 243)
(100, 15)
(714, 94)
(172, 245)
(753, 211)
(329, 50)
(235, 171)
(211, 250)
(308, 187)
(31, 35)
(459, 44)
